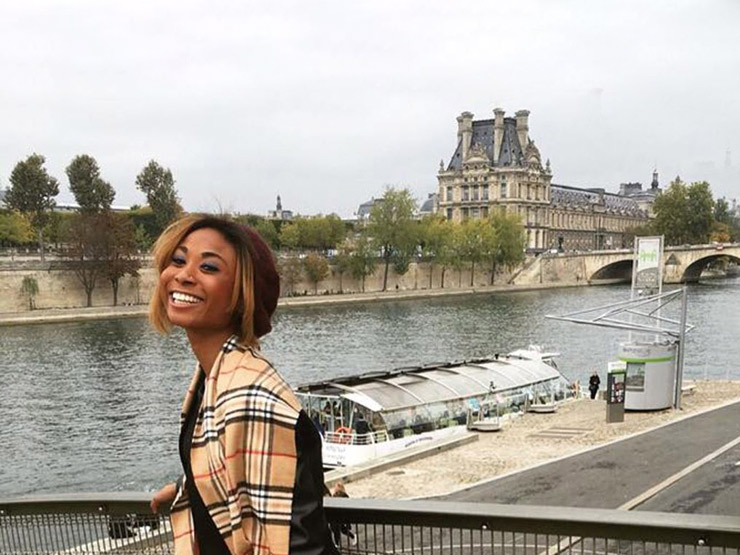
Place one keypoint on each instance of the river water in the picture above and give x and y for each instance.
(94, 406)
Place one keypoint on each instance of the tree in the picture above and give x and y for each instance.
(684, 214)
(268, 232)
(363, 260)
(391, 225)
(701, 212)
(434, 238)
(317, 268)
(32, 191)
(15, 229)
(121, 250)
(472, 242)
(30, 288)
(290, 236)
(505, 247)
(158, 185)
(456, 254)
(87, 246)
(91, 192)
(343, 261)
(289, 269)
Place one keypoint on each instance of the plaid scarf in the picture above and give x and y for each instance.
(243, 455)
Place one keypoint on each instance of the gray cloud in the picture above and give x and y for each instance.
(327, 102)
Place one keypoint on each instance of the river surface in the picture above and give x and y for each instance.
(94, 406)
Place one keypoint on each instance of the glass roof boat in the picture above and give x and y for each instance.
(379, 413)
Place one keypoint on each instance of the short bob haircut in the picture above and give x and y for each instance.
(242, 296)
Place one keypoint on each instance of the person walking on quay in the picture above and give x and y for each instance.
(593, 384)
(253, 475)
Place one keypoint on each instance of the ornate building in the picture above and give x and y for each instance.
(497, 165)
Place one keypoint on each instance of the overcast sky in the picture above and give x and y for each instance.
(326, 103)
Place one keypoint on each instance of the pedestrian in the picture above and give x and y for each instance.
(253, 475)
(593, 384)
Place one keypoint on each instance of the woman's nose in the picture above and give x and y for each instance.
(184, 275)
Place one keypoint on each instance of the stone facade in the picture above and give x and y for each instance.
(496, 165)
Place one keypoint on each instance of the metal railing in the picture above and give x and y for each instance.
(122, 523)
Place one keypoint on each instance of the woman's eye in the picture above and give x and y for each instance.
(178, 260)
(209, 267)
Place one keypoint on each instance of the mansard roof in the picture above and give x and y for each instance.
(511, 151)
(576, 197)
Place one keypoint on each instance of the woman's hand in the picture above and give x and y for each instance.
(165, 496)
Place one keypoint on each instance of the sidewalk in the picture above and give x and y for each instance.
(55, 315)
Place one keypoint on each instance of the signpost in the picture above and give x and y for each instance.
(615, 388)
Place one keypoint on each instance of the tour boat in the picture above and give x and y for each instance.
(379, 413)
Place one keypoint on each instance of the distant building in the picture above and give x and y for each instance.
(496, 165)
(363, 211)
(279, 213)
(429, 206)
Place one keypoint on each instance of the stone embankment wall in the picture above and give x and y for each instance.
(60, 288)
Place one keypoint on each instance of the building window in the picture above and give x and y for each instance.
(465, 193)
(503, 190)
(449, 194)
(475, 213)
(449, 213)
(476, 191)
(485, 192)
(485, 211)
(464, 213)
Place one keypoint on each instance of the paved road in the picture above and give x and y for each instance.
(612, 475)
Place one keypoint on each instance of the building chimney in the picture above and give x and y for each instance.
(498, 133)
(465, 131)
(522, 127)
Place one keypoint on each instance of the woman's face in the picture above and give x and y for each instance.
(198, 282)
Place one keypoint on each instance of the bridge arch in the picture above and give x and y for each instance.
(693, 271)
(615, 272)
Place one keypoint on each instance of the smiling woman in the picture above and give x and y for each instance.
(253, 474)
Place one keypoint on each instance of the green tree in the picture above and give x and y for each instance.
(434, 239)
(15, 229)
(32, 191)
(363, 259)
(455, 257)
(505, 246)
(30, 288)
(701, 212)
(290, 236)
(472, 240)
(92, 193)
(158, 185)
(391, 225)
(316, 268)
(268, 232)
(684, 214)
(121, 250)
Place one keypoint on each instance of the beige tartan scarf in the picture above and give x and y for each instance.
(243, 455)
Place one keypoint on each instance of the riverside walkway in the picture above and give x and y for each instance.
(624, 474)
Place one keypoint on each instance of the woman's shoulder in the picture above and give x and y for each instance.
(248, 368)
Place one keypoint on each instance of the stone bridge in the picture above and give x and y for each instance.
(680, 264)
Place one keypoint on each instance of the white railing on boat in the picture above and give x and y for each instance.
(350, 437)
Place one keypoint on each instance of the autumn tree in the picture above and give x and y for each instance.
(343, 261)
(92, 193)
(120, 250)
(316, 268)
(86, 250)
(289, 268)
(157, 183)
(473, 238)
(32, 191)
(392, 228)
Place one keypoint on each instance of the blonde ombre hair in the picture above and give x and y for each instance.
(242, 295)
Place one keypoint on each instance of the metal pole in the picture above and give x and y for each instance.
(681, 347)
